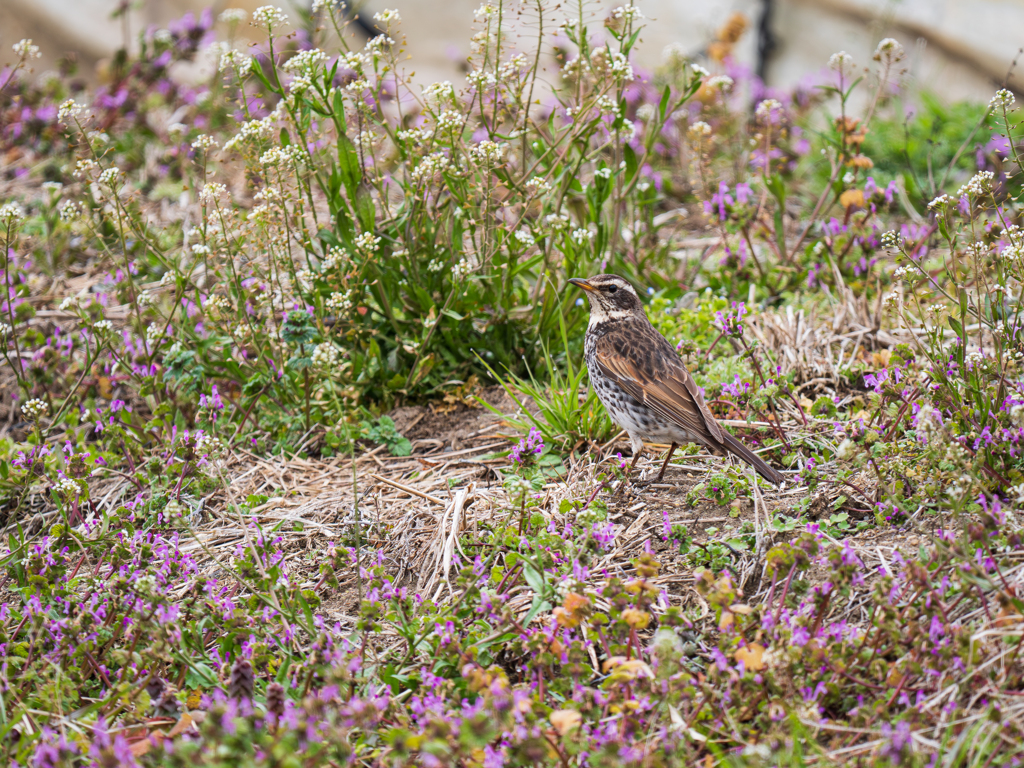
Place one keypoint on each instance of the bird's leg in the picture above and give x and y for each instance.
(664, 466)
(636, 458)
(638, 448)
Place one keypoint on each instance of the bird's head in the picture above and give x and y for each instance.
(611, 297)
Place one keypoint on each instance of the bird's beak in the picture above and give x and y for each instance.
(581, 283)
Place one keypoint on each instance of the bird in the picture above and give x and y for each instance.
(642, 382)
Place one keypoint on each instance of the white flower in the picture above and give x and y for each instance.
(83, 167)
(699, 71)
(436, 265)
(557, 221)
(103, 327)
(357, 86)
(300, 84)
(939, 202)
(581, 236)
(387, 16)
(627, 13)
(449, 120)
(353, 60)
(891, 240)
(35, 409)
(603, 173)
(488, 153)
(462, 269)
(841, 62)
(200, 250)
(525, 238)
(204, 142)
(144, 299)
(481, 79)
(211, 192)
(325, 356)
(538, 184)
(430, 166)
(208, 445)
(609, 106)
(154, 332)
(67, 487)
(848, 178)
(485, 11)
(699, 129)
(305, 61)
(339, 303)
(232, 16)
(269, 16)
(889, 51)
(11, 214)
(979, 184)
(335, 258)
(766, 110)
(111, 177)
(1002, 100)
(513, 68)
(721, 82)
(440, 90)
(68, 110)
(367, 243)
(70, 304)
(237, 60)
(375, 45)
(620, 67)
(26, 50)
(627, 131)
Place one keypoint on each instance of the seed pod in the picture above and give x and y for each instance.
(240, 686)
(275, 699)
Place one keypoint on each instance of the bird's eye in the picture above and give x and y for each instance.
(612, 288)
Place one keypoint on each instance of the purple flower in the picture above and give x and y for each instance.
(527, 448)
(898, 739)
(730, 321)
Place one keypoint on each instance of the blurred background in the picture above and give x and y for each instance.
(958, 49)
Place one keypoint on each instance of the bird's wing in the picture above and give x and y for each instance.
(667, 388)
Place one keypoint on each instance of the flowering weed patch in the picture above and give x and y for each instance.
(221, 287)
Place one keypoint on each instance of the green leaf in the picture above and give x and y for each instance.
(955, 325)
(199, 675)
(666, 95)
(534, 578)
(339, 108)
(631, 161)
(365, 210)
(348, 164)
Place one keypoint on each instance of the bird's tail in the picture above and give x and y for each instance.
(735, 446)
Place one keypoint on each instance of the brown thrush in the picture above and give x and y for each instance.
(639, 377)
